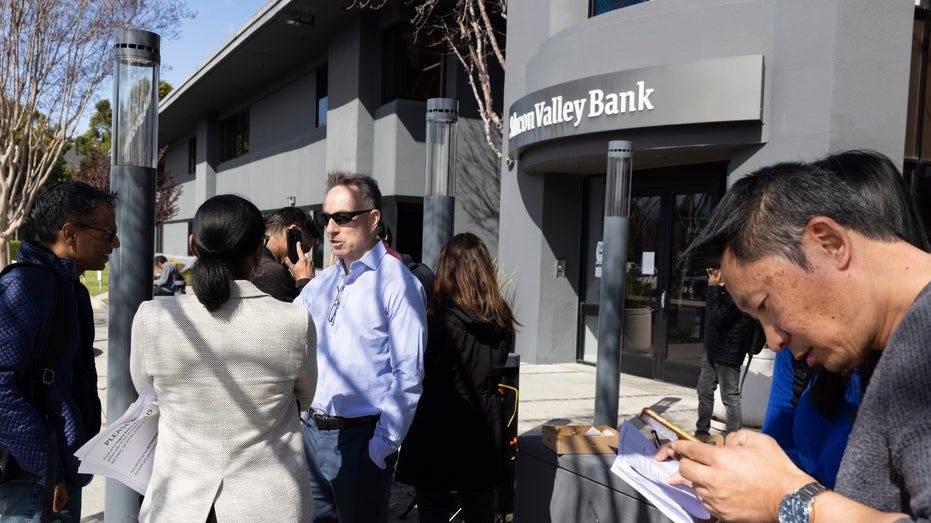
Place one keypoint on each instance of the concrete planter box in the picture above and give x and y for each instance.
(755, 394)
(638, 330)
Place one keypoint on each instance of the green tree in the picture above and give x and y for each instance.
(97, 138)
(52, 62)
(93, 149)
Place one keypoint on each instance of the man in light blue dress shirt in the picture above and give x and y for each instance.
(370, 314)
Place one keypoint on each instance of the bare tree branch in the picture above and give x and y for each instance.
(472, 31)
(53, 58)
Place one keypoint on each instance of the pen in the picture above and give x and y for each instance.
(655, 438)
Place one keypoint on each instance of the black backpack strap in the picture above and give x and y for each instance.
(48, 359)
(800, 378)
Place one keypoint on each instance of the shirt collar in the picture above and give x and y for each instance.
(370, 260)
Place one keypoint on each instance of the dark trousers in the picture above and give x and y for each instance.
(434, 505)
(348, 487)
(162, 291)
(21, 501)
(712, 375)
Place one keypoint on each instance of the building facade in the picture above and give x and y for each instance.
(307, 87)
(707, 91)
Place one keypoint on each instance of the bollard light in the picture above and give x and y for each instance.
(439, 204)
(135, 97)
(614, 274)
(133, 156)
(442, 118)
(620, 171)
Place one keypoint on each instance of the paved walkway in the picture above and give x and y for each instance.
(556, 394)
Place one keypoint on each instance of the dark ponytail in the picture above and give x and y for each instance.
(226, 230)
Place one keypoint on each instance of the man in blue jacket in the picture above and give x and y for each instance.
(41, 303)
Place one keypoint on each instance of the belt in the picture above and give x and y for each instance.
(327, 422)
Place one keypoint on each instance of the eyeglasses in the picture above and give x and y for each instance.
(265, 239)
(333, 308)
(111, 233)
(341, 218)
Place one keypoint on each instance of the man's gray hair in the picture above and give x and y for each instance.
(368, 187)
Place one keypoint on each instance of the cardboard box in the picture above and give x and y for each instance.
(571, 439)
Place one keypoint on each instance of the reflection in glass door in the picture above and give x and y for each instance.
(646, 212)
(685, 308)
(664, 310)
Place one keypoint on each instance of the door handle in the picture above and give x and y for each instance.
(662, 300)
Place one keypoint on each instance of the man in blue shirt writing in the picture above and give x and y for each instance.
(370, 314)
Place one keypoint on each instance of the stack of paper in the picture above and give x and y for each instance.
(124, 450)
(635, 465)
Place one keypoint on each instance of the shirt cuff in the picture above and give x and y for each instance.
(379, 449)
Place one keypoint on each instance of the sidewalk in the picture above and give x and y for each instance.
(556, 394)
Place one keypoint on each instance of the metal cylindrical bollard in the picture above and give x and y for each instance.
(611, 310)
(440, 176)
(132, 178)
(438, 213)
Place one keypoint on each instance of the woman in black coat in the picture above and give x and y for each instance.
(455, 443)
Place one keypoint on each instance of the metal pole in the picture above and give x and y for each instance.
(439, 204)
(132, 178)
(611, 310)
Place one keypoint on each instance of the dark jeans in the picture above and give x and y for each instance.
(348, 487)
(712, 375)
(434, 505)
(162, 291)
(22, 502)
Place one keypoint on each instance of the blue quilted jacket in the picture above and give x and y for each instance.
(28, 297)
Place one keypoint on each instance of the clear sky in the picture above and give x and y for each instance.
(199, 38)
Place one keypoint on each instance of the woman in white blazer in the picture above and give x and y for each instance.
(232, 369)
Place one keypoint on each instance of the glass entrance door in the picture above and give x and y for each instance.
(664, 313)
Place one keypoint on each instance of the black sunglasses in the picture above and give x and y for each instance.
(341, 218)
(111, 233)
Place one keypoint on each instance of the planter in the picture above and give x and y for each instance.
(638, 330)
(755, 393)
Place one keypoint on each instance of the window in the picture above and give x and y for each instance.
(322, 81)
(410, 70)
(234, 136)
(600, 7)
(192, 155)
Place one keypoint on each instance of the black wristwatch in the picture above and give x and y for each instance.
(796, 507)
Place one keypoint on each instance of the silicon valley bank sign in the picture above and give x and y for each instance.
(714, 90)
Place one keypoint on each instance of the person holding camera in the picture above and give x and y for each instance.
(286, 266)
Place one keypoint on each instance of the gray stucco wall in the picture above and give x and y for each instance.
(836, 77)
(398, 164)
(175, 238)
(353, 55)
(283, 116)
(174, 235)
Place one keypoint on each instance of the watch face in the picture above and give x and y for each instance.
(793, 509)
